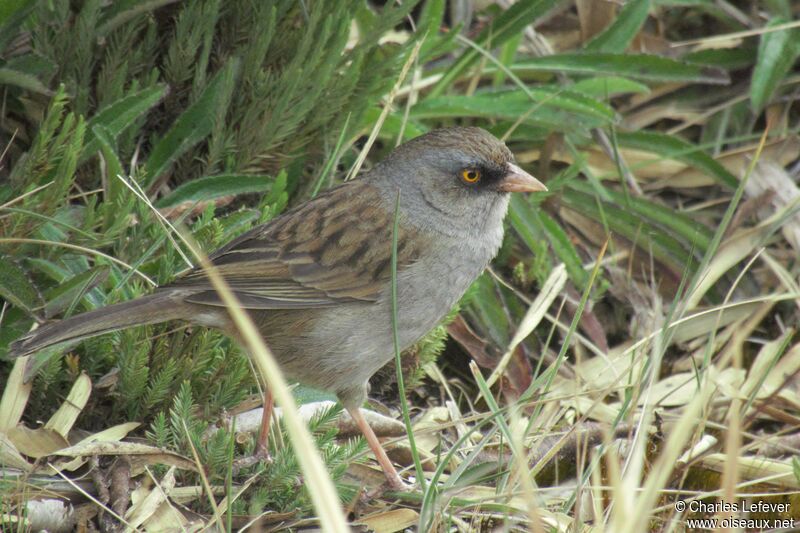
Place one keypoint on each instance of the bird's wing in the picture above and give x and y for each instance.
(335, 248)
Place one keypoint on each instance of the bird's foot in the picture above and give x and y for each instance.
(259, 456)
(393, 484)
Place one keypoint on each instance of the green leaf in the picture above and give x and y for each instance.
(22, 80)
(16, 288)
(194, 124)
(505, 26)
(115, 117)
(777, 52)
(533, 225)
(796, 467)
(12, 14)
(619, 34)
(639, 231)
(727, 58)
(515, 104)
(490, 311)
(431, 17)
(606, 86)
(42, 68)
(393, 124)
(693, 233)
(213, 187)
(685, 3)
(680, 150)
(67, 294)
(636, 66)
(121, 11)
(113, 165)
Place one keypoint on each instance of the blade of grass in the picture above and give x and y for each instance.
(695, 288)
(619, 34)
(505, 26)
(385, 111)
(397, 360)
(777, 52)
(536, 311)
(635, 66)
(523, 474)
(320, 487)
(332, 160)
(551, 373)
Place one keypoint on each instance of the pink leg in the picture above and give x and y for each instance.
(262, 450)
(392, 477)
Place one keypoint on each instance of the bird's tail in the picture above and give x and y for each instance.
(151, 309)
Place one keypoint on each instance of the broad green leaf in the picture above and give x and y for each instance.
(22, 80)
(194, 124)
(685, 3)
(431, 17)
(12, 14)
(619, 34)
(430, 20)
(506, 57)
(777, 52)
(486, 306)
(16, 288)
(603, 87)
(213, 187)
(67, 294)
(115, 117)
(121, 11)
(113, 165)
(37, 66)
(688, 230)
(640, 231)
(636, 66)
(536, 104)
(393, 124)
(727, 58)
(533, 225)
(505, 26)
(680, 150)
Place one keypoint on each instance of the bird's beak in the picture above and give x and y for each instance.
(517, 180)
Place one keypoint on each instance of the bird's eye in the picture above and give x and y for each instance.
(471, 175)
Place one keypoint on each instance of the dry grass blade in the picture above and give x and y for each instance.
(63, 419)
(385, 111)
(321, 489)
(15, 396)
(142, 512)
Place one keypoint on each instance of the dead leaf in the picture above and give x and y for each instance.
(63, 419)
(141, 454)
(36, 443)
(389, 521)
(518, 375)
(10, 456)
(15, 396)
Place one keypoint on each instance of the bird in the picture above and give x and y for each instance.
(317, 279)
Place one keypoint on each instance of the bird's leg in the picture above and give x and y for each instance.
(262, 451)
(392, 477)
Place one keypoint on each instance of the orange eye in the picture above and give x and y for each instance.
(470, 175)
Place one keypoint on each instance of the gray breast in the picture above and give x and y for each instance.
(355, 340)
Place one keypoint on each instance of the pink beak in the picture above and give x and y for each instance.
(517, 180)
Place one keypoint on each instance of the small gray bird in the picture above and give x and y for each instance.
(317, 279)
